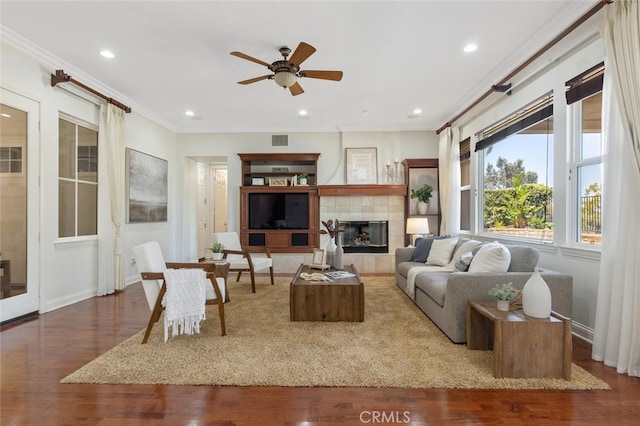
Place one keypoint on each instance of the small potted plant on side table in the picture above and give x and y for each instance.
(504, 294)
(217, 249)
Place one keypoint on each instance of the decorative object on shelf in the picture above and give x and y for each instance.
(338, 258)
(362, 166)
(423, 194)
(257, 181)
(217, 249)
(303, 178)
(332, 230)
(536, 297)
(504, 294)
(396, 172)
(278, 182)
(389, 175)
(417, 227)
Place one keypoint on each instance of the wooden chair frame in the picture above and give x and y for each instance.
(246, 253)
(158, 308)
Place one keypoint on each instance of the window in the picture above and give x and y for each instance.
(517, 165)
(584, 97)
(77, 180)
(465, 185)
(11, 159)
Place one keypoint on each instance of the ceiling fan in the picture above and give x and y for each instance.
(287, 71)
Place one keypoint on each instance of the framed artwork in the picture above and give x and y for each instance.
(317, 262)
(361, 166)
(257, 181)
(146, 186)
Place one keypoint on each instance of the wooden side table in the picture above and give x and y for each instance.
(523, 346)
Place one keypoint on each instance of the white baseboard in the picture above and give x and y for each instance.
(582, 331)
(61, 302)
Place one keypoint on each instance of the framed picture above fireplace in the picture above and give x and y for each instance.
(361, 166)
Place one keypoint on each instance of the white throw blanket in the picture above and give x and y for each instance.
(184, 301)
(413, 273)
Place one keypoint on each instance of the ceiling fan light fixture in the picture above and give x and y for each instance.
(285, 79)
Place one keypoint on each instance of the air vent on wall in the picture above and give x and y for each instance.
(279, 140)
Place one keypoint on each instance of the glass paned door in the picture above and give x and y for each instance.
(19, 207)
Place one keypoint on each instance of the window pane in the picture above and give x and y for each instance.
(591, 126)
(66, 209)
(518, 172)
(589, 204)
(465, 210)
(67, 149)
(465, 167)
(87, 209)
(87, 154)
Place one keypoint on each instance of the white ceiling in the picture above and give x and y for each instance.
(396, 56)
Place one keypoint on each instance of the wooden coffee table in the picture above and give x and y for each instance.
(522, 346)
(340, 300)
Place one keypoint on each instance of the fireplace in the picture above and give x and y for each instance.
(365, 236)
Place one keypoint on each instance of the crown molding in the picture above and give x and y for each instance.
(51, 61)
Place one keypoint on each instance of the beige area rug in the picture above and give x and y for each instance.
(396, 346)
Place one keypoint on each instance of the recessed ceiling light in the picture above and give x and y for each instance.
(107, 54)
(471, 47)
(417, 111)
(302, 112)
(4, 114)
(189, 113)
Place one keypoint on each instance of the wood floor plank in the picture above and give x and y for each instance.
(37, 353)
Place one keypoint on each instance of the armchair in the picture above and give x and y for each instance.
(151, 265)
(243, 259)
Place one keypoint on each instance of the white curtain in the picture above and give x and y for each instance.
(449, 175)
(110, 199)
(617, 323)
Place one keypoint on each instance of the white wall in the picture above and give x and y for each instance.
(574, 55)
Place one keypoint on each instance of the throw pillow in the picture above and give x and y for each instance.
(421, 252)
(462, 265)
(465, 247)
(441, 251)
(493, 257)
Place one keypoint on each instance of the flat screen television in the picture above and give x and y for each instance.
(278, 211)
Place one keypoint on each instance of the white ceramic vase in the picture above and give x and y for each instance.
(422, 207)
(338, 258)
(330, 252)
(536, 297)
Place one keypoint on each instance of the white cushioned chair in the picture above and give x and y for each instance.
(151, 265)
(243, 259)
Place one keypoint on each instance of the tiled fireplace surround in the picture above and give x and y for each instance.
(356, 207)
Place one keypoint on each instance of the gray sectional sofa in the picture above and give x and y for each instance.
(443, 296)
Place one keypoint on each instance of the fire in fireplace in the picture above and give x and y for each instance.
(366, 236)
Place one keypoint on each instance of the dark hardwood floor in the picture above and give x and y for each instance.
(37, 353)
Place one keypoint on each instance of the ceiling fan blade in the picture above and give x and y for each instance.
(296, 89)
(302, 52)
(325, 75)
(250, 58)
(253, 80)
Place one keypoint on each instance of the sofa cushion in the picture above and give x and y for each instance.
(523, 258)
(441, 251)
(434, 285)
(465, 247)
(421, 252)
(493, 257)
(403, 267)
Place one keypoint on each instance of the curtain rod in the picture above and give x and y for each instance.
(502, 86)
(61, 77)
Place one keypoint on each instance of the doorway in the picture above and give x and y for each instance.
(19, 206)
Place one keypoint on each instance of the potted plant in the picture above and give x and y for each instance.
(504, 294)
(302, 178)
(217, 249)
(423, 194)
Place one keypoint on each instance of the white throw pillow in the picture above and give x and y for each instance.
(493, 257)
(441, 251)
